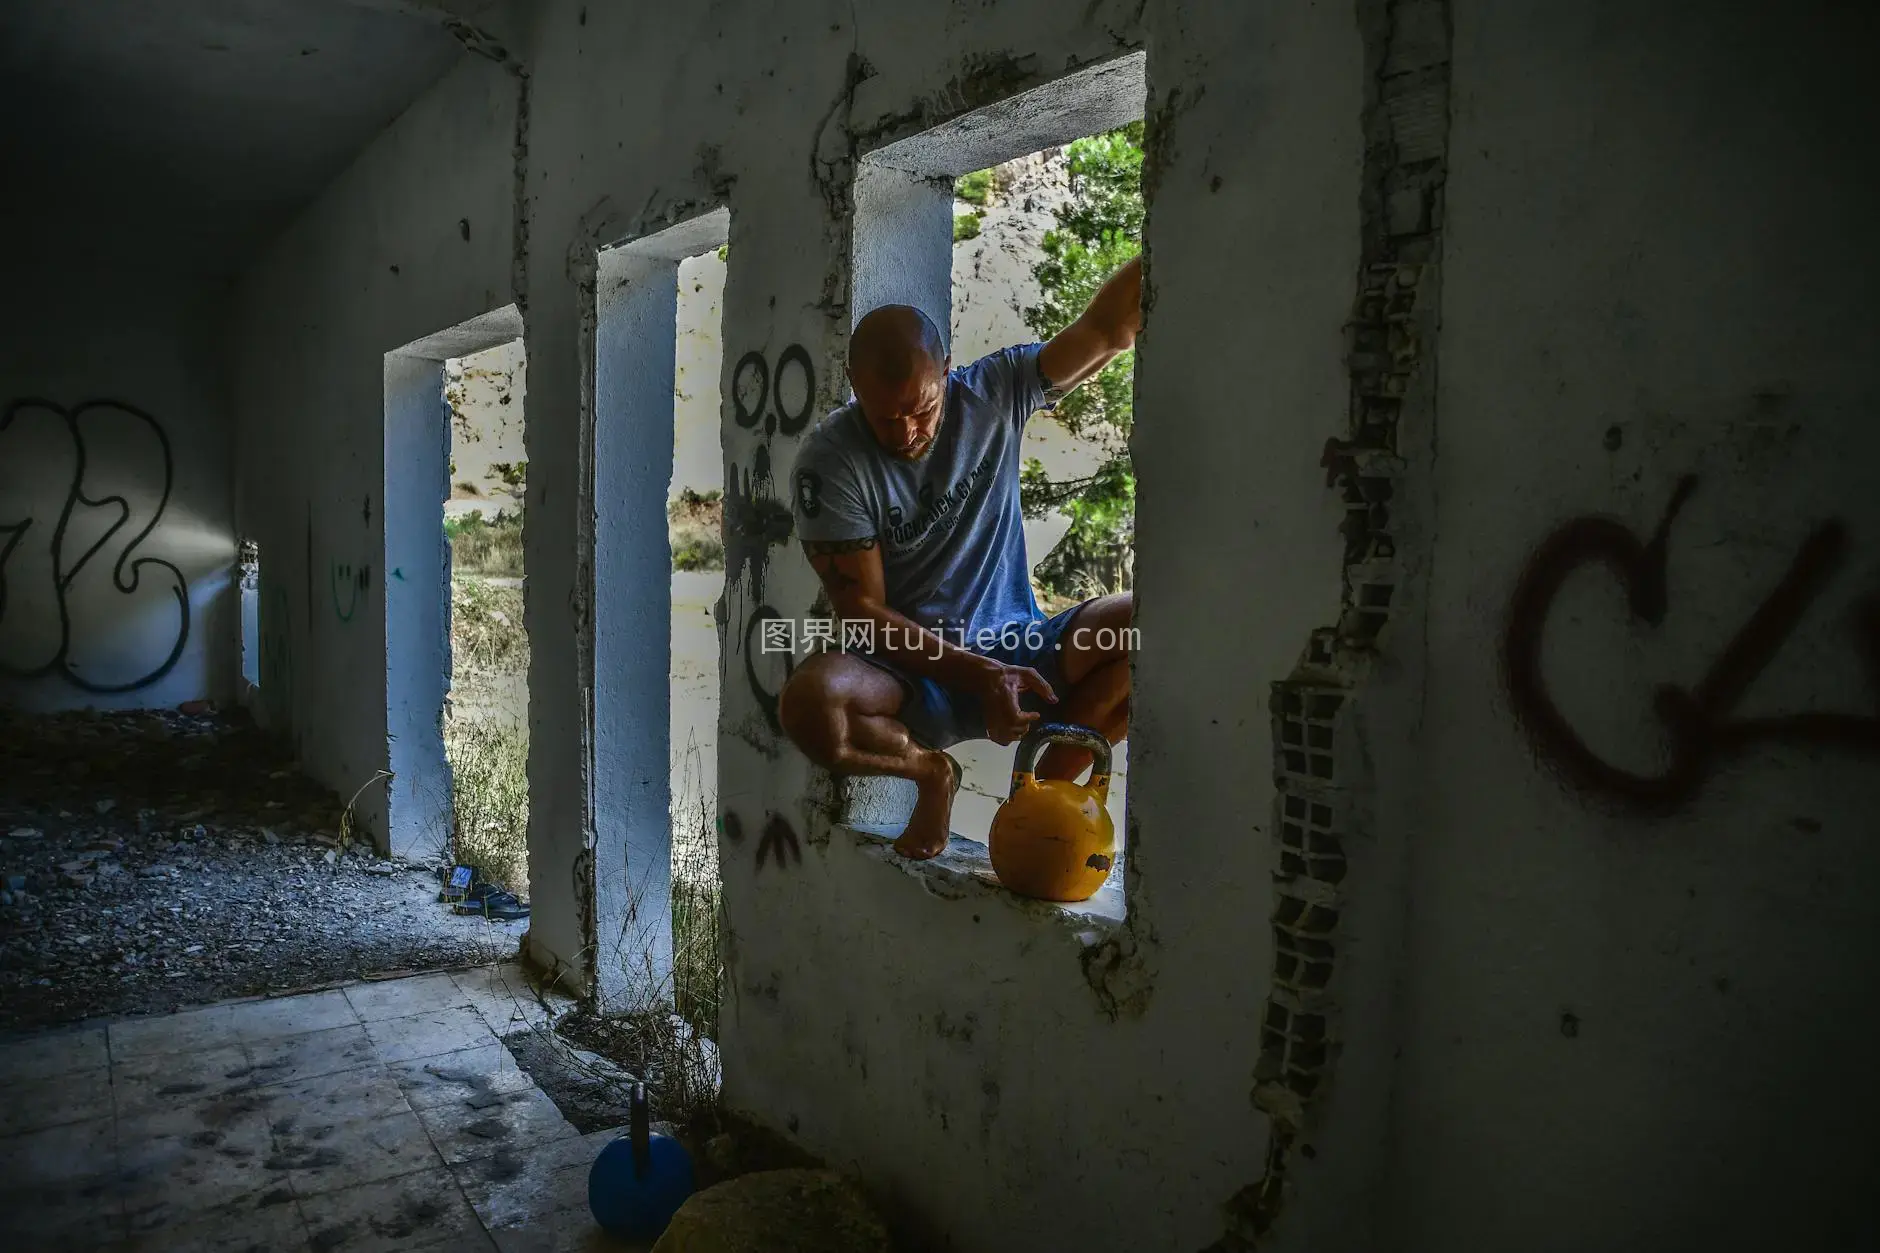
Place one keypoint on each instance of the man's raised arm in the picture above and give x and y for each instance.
(1106, 328)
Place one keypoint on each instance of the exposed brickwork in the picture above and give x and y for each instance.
(1316, 828)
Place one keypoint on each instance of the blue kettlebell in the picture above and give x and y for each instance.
(640, 1180)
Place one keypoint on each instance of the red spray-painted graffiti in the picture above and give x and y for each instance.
(1700, 724)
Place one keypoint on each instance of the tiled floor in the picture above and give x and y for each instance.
(381, 1116)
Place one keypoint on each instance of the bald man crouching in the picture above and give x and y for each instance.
(906, 500)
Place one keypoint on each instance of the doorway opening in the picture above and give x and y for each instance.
(658, 570)
(695, 513)
(456, 662)
(486, 723)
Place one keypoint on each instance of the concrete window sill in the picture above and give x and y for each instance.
(964, 872)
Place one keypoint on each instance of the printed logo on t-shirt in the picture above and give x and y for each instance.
(903, 536)
(809, 492)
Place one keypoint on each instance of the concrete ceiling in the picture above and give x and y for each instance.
(197, 127)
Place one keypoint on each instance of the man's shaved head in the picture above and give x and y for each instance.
(893, 343)
(898, 367)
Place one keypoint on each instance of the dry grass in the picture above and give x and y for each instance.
(661, 1030)
(488, 751)
(479, 546)
(486, 631)
(698, 964)
(662, 1027)
(489, 762)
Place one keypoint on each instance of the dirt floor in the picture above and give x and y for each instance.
(150, 860)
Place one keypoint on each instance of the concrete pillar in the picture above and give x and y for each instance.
(416, 580)
(636, 307)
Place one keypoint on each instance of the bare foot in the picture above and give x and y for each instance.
(930, 825)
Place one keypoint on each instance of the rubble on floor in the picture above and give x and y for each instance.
(155, 859)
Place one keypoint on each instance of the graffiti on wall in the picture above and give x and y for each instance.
(1700, 723)
(779, 399)
(81, 491)
(755, 521)
(791, 386)
(349, 583)
(766, 672)
(778, 843)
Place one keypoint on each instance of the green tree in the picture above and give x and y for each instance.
(974, 188)
(1098, 230)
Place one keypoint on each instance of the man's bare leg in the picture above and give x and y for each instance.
(1095, 666)
(841, 712)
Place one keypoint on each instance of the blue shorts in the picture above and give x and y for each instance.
(940, 716)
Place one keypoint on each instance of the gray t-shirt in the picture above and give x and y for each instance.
(951, 535)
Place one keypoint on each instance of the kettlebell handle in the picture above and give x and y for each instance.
(1026, 759)
(638, 1132)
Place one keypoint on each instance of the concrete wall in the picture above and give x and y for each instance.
(1634, 970)
(1402, 965)
(415, 238)
(111, 417)
(908, 1023)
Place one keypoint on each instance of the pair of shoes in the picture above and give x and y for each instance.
(489, 901)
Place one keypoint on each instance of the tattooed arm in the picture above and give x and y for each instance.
(851, 573)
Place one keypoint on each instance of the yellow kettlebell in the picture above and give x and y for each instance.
(1053, 839)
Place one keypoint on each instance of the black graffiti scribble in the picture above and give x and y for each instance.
(753, 636)
(797, 355)
(779, 839)
(734, 827)
(752, 367)
(34, 549)
(755, 521)
(357, 580)
(1698, 722)
(754, 385)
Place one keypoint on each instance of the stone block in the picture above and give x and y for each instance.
(778, 1211)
